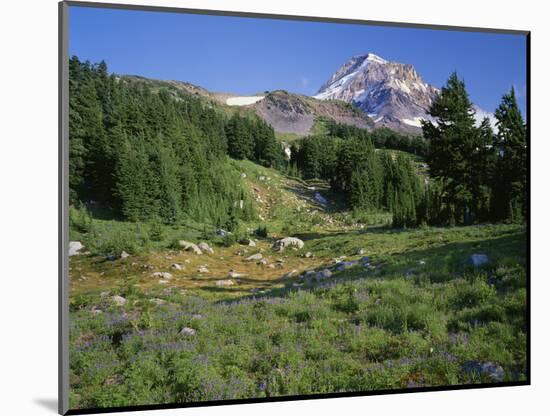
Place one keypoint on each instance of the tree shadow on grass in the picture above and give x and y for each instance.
(442, 263)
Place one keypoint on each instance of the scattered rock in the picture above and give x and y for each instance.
(163, 282)
(96, 311)
(308, 255)
(158, 301)
(271, 266)
(252, 243)
(204, 247)
(233, 274)
(243, 175)
(360, 252)
(177, 266)
(187, 246)
(324, 274)
(283, 243)
(196, 316)
(263, 262)
(290, 273)
(479, 259)
(422, 262)
(203, 269)
(74, 248)
(222, 232)
(162, 275)
(343, 265)
(255, 257)
(226, 282)
(124, 255)
(488, 369)
(188, 332)
(118, 300)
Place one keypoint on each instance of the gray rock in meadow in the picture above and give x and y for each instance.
(74, 248)
(205, 248)
(226, 282)
(308, 255)
(234, 275)
(361, 251)
(478, 259)
(252, 243)
(203, 269)
(177, 266)
(290, 273)
(162, 275)
(124, 255)
(283, 243)
(255, 257)
(491, 370)
(221, 232)
(343, 265)
(324, 274)
(118, 300)
(158, 301)
(188, 332)
(187, 246)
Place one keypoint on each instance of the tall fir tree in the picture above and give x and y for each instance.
(510, 186)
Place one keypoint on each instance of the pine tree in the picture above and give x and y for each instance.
(453, 140)
(510, 186)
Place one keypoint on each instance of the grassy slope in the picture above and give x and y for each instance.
(412, 319)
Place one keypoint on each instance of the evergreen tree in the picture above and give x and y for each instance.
(453, 140)
(510, 186)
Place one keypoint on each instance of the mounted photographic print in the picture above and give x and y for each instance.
(261, 208)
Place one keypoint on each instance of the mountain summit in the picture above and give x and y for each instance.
(393, 94)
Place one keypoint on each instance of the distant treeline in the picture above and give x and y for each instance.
(382, 138)
(150, 154)
(476, 175)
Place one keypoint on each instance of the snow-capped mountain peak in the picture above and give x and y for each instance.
(393, 94)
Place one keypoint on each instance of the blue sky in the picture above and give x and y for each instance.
(246, 56)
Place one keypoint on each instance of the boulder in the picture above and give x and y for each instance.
(343, 265)
(255, 257)
(226, 282)
(205, 248)
(74, 248)
(203, 269)
(477, 260)
(187, 246)
(177, 266)
(118, 300)
(162, 275)
(324, 274)
(188, 332)
(283, 243)
(290, 273)
(124, 255)
(488, 369)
